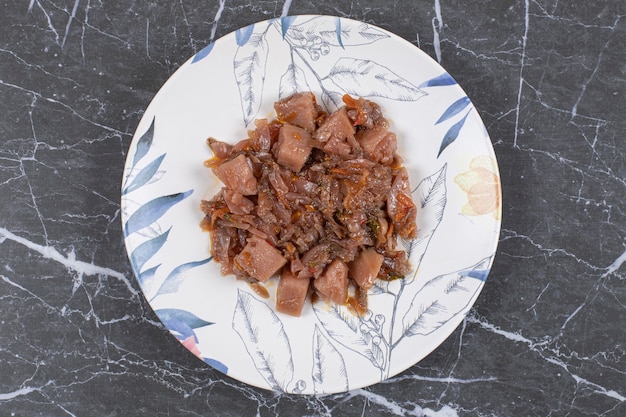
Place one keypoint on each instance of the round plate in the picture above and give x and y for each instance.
(219, 92)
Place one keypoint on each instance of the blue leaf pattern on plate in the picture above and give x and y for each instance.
(249, 66)
(452, 134)
(338, 31)
(285, 22)
(143, 144)
(332, 33)
(216, 365)
(243, 35)
(147, 250)
(152, 211)
(183, 316)
(440, 81)
(367, 78)
(430, 196)
(479, 274)
(203, 53)
(264, 338)
(307, 42)
(292, 81)
(147, 279)
(442, 298)
(361, 335)
(454, 109)
(177, 277)
(180, 329)
(181, 322)
(328, 364)
(145, 175)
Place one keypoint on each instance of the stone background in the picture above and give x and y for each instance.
(546, 337)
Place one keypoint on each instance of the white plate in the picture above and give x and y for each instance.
(219, 92)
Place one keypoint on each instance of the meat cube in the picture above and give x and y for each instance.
(364, 269)
(237, 175)
(220, 149)
(314, 260)
(337, 125)
(364, 112)
(378, 143)
(395, 265)
(261, 137)
(236, 202)
(332, 285)
(291, 293)
(294, 147)
(299, 109)
(337, 146)
(400, 207)
(259, 259)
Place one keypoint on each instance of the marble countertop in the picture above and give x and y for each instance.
(547, 334)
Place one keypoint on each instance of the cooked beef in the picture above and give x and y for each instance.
(221, 150)
(378, 143)
(314, 261)
(264, 136)
(395, 265)
(400, 206)
(319, 198)
(365, 267)
(236, 202)
(294, 147)
(299, 109)
(237, 175)
(364, 113)
(332, 285)
(259, 259)
(291, 293)
(337, 125)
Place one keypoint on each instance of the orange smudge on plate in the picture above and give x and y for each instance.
(482, 186)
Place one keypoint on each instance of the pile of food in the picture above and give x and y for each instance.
(316, 198)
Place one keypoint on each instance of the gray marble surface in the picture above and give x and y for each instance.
(546, 336)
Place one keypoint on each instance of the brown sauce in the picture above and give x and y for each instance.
(258, 288)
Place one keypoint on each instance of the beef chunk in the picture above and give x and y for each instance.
(237, 175)
(291, 293)
(400, 207)
(333, 283)
(364, 269)
(337, 125)
(299, 109)
(294, 147)
(378, 143)
(259, 259)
